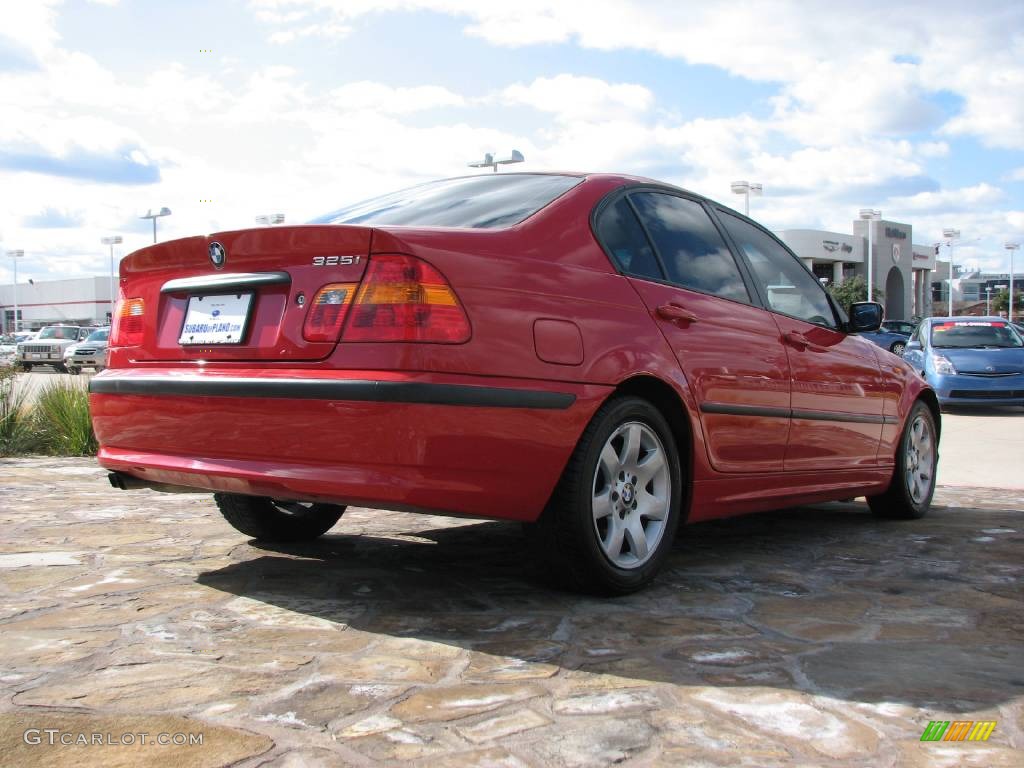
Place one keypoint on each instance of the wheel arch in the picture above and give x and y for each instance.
(929, 398)
(668, 402)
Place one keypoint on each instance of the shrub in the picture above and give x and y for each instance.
(16, 432)
(62, 421)
(853, 289)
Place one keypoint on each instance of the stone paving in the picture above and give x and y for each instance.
(802, 637)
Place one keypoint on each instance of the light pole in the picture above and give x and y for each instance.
(155, 216)
(112, 241)
(15, 255)
(1011, 247)
(951, 235)
(988, 300)
(270, 219)
(747, 188)
(870, 215)
(491, 162)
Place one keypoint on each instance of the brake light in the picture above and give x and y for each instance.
(405, 299)
(327, 312)
(129, 322)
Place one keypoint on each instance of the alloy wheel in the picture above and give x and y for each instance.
(632, 494)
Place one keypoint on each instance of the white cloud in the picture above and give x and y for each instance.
(571, 97)
(377, 97)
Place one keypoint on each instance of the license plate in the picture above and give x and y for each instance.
(35, 355)
(216, 319)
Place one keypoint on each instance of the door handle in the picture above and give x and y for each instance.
(676, 314)
(796, 339)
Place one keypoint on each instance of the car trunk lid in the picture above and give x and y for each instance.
(241, 295)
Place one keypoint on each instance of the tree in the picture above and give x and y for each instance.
(852, 289)
(1001, 302)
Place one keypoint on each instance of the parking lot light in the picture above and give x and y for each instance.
(1011, 247)
(15, 255)
(747, 188)
(951, 236)
(112, 241)
(270, 219)
(490, 161)
(154, 216)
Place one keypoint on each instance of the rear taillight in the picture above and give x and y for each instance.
(327, 312)
(405, 299)
(129, 322)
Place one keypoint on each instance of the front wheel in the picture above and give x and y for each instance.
(74, 370)
(898, 347)
(268, 519)
(909, 495)
(26, 367)
(610, 524)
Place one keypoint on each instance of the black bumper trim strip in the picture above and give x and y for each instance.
(789, 413)
(330, 389)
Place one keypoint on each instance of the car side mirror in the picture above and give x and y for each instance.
(864, 316)
(911, 345)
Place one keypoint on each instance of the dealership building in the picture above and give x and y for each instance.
(78, 301)
(901, 269)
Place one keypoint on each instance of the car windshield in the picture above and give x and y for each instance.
(977, 334)
(59, 332)
(100, 335)
(477, 202)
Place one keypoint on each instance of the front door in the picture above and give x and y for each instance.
(837, 387)
(728, 348)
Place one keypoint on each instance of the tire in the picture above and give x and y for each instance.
(74, 370)
(909, 495)
(898, 347)
(268, 519)
(604, 554)
(26, 367)
(61, 368)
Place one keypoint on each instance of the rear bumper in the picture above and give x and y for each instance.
(452, 444)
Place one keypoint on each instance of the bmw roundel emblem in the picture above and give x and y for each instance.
(218, 254)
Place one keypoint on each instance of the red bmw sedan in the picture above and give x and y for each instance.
(601, 357)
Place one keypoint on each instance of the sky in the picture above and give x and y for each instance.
(222, 110)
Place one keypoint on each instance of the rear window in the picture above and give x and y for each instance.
(964, 334)
(476, 202)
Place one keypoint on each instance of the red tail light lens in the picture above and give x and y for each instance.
(327, 312)
(129, 323)
(405, 299)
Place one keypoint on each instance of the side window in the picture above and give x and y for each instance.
(789, 287)
(621, 234)
(691, 248)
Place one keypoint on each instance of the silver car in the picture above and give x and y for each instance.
(91, 353)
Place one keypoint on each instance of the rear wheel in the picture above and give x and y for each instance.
(611, 521)
(909, 495)
(275, 520)
(898, 347)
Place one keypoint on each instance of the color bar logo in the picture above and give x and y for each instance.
(958, 730)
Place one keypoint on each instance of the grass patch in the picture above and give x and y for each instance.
(17, 427)
(56, 421)
(62, 423)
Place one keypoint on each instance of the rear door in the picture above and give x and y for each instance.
(256, 284)
(677, 261)
(837, 389)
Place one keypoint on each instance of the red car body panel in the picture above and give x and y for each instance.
(555, 331)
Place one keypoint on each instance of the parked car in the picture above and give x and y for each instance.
(8, 350)
(49, 345)
(970, 360)
(91, 353)
(905, 327)
(894, 341)
(601, 357)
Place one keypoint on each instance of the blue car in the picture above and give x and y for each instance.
(970, 360)
(894, 341)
